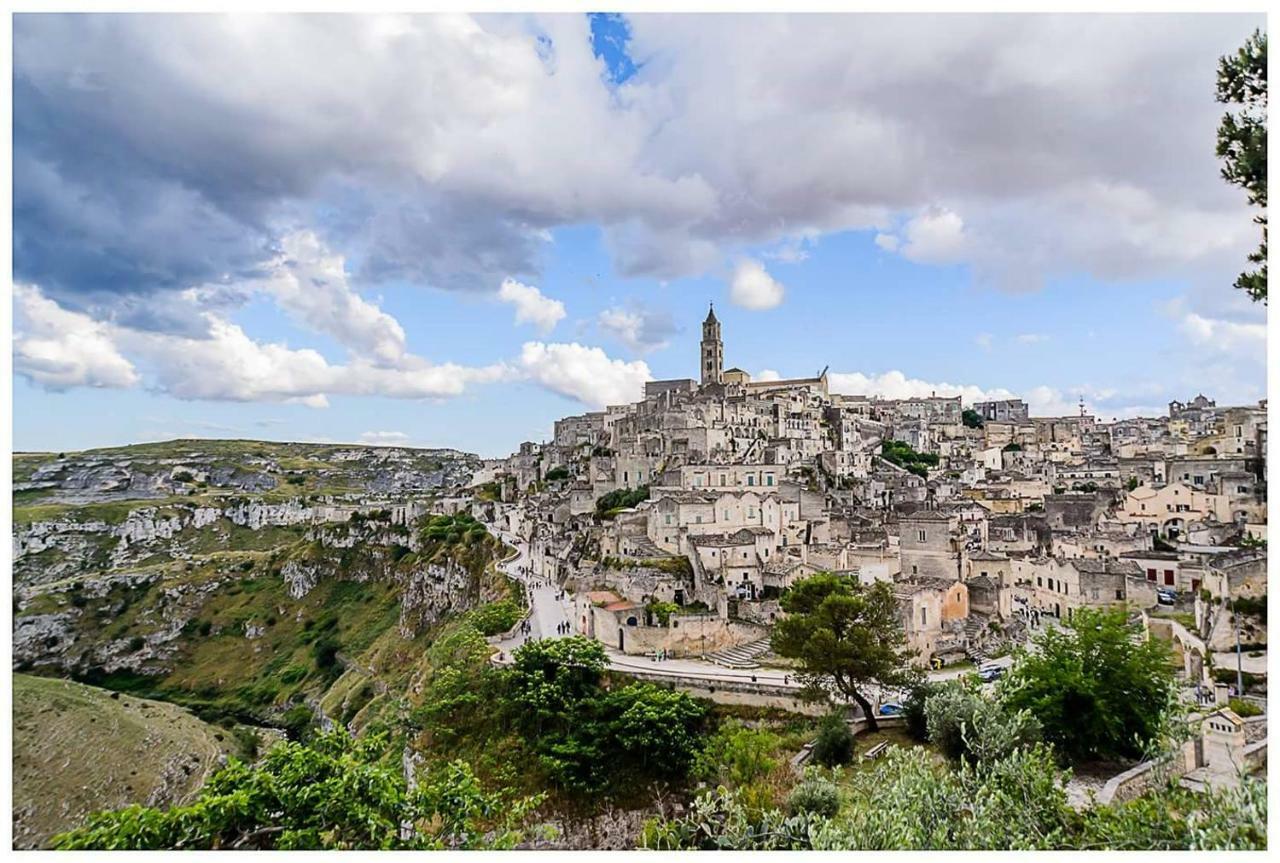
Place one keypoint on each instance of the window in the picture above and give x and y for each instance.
(751, 480)
(699, 519)
(1039, 582)
(666, 519)
(1151, 575)
(983, 573)
(723, 480)
(1168, 576)
(921, 536)
(923, 616)
(768, 480)
(915, 570)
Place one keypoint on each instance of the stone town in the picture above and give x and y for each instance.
(676, 522)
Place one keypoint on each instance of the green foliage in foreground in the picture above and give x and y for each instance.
(910, 802)
(589, 738)
(965, 725)
(332, 793)
(1098, 688)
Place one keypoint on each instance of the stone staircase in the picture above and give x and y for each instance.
(740, 656)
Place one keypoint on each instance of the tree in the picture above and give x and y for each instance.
(844, 634)
(332, 793)
(549, 678)
(1242, 142)
(1100, 687)
(971, 418)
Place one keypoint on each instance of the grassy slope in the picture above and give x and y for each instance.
(77, 750)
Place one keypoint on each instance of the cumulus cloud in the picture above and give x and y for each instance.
(1225, 336)
(310, 283)
(768, 375)
(895, 385)
(640, 329)
(936, 236)
(585, 374)
(753, 288)
(440, 149)
(58, 349)
(532, 306)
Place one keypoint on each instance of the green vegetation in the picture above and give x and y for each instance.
(1095, 692)
(908, 801)
(1242, 142)
(331, 793)
(834, 744)
(846, 634)
(966, 726)
(900, 453)
(1243, 708)
(621, 498)
(556, 474)
(662, 611)
(971, 418)
(1252, 606)
(495, 617)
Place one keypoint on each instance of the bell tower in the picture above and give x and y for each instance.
(712, 349)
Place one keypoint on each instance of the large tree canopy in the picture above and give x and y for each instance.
(1242, 141)
(1099, 687)
(845, 634)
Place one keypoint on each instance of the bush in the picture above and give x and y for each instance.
(496, 617)
(913, 711)
(834, 744)
(136, 643)
(736, 755)
(814, 796)
(1244, 708)
(965, 725)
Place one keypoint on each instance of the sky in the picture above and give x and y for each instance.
(448, 230)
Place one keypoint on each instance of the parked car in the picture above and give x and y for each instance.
(991, 672)
(1166, 596)
(891, 708)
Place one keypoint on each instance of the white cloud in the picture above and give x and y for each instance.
(532, 306)
(888, 242)
(935, 236)
(58, 349)
(753, 288)
(384, 438)
(638, 328)
(583, 373)
(1224, 336)
(767, 375)
(895, 385)
(310, 283)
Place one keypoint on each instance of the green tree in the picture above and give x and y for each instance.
(1242, 142)
(844, 634)
(971, 418)
(1099, 687)
(331, 793)
(550, 678)
(736, 755)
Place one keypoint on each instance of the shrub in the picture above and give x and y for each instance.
(814, 796)
(965, 725)
(496, 617)
(834, 744)
(913, 711)
(1244, 708)
(136, 643)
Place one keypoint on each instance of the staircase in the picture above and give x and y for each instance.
(740, 656)
(972, 629)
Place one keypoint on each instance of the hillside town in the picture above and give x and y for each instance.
(674, 524)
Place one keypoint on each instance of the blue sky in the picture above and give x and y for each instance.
(457, 231)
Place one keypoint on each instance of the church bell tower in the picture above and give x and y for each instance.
(712, 350)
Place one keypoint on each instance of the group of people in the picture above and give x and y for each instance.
(660, 655)
(563, 628)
